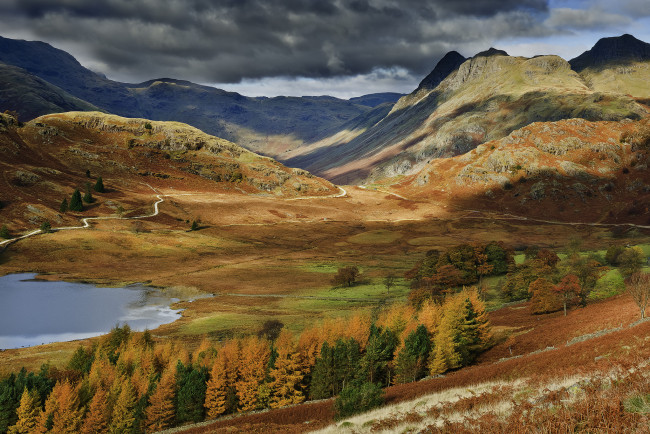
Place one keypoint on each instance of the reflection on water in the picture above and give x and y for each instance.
(33, 312)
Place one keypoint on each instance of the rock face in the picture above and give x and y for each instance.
(618, 50)
(570, 169)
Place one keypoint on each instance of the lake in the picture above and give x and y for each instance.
(34, 312)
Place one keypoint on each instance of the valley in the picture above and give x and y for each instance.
(462, 257)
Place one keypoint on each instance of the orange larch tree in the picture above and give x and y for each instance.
(287, 375)
(97, 417)
(123, 418)
(160, 412)
(253, 360)
(543, 297)
(223, 377)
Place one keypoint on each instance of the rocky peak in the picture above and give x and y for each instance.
(448, 64)
(491, 52)
(611, 50)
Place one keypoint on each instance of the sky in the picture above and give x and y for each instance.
(342, 48)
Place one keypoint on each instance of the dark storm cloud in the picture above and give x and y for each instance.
(228, 40)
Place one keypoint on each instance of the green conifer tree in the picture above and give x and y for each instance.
(75, 202)
(64, 206)
(88, 196)
(4, 232)
(46, 227)
(99, 185)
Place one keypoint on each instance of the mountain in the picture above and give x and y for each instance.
(45, 159)
(375, 99)
(571, 170)
(616, 65)
(485, 98)
(263, 124)
(617, 50)
(31, 96)
(448, 64)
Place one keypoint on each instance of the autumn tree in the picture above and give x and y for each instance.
(543, 297)
(123, 417)
(220, 394)
(346, 276)
(638, 286)
(97, 417)
(287, 374)
(253, 361)
(569, 290)
(588, 270)
(28, 413)
(389, 282)
(62, 413)
(159, 414)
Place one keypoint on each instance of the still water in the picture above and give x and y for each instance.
(33, 312)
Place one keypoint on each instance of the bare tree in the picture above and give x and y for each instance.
(638, 285)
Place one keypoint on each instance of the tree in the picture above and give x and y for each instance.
(569, 289)
(195, 226)
(389, 282)
(123, 417)
(46, 227)
(28, 413)
(99, 186)
(75, 202)
(220, 395)
(4, 232)
(287, 374)
(62, 413)
(411, 360)
(380, 350)
(543, 297)
(191, 393)
(253, 362)
(613, 253)
(63, 208)
(159, 414)
(270, 329)
(638, 286)
(88, 196)
(96, 420)
(631, 260)
(346, 276)
(357, 397)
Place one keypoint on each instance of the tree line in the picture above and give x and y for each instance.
(129, 382)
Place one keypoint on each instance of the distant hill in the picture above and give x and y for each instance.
(31, 96)
(375, 99)
(47, 158)
(485, 98)
(257, 123)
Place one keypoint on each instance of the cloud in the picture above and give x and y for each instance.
(226, 41)
(585, 19)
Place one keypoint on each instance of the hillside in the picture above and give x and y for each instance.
(31, 96)
(47, 158)
(485, 98)
(261, 124)
(573, 170)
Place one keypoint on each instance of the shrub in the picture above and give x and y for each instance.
(4, 232)
(46, 227)
(357, 397)
(99, 185)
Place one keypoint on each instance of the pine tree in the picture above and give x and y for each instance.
(28, 413)
(46, 227)
(287, 374)
(75, 202)
(88, 196)
(99, 185)
(195, 226)
(412, 358)
(63, 208)
(4, 232)
(123, 417)
(160, 412)
(191, 393)
(96, 420)
(253, 361)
